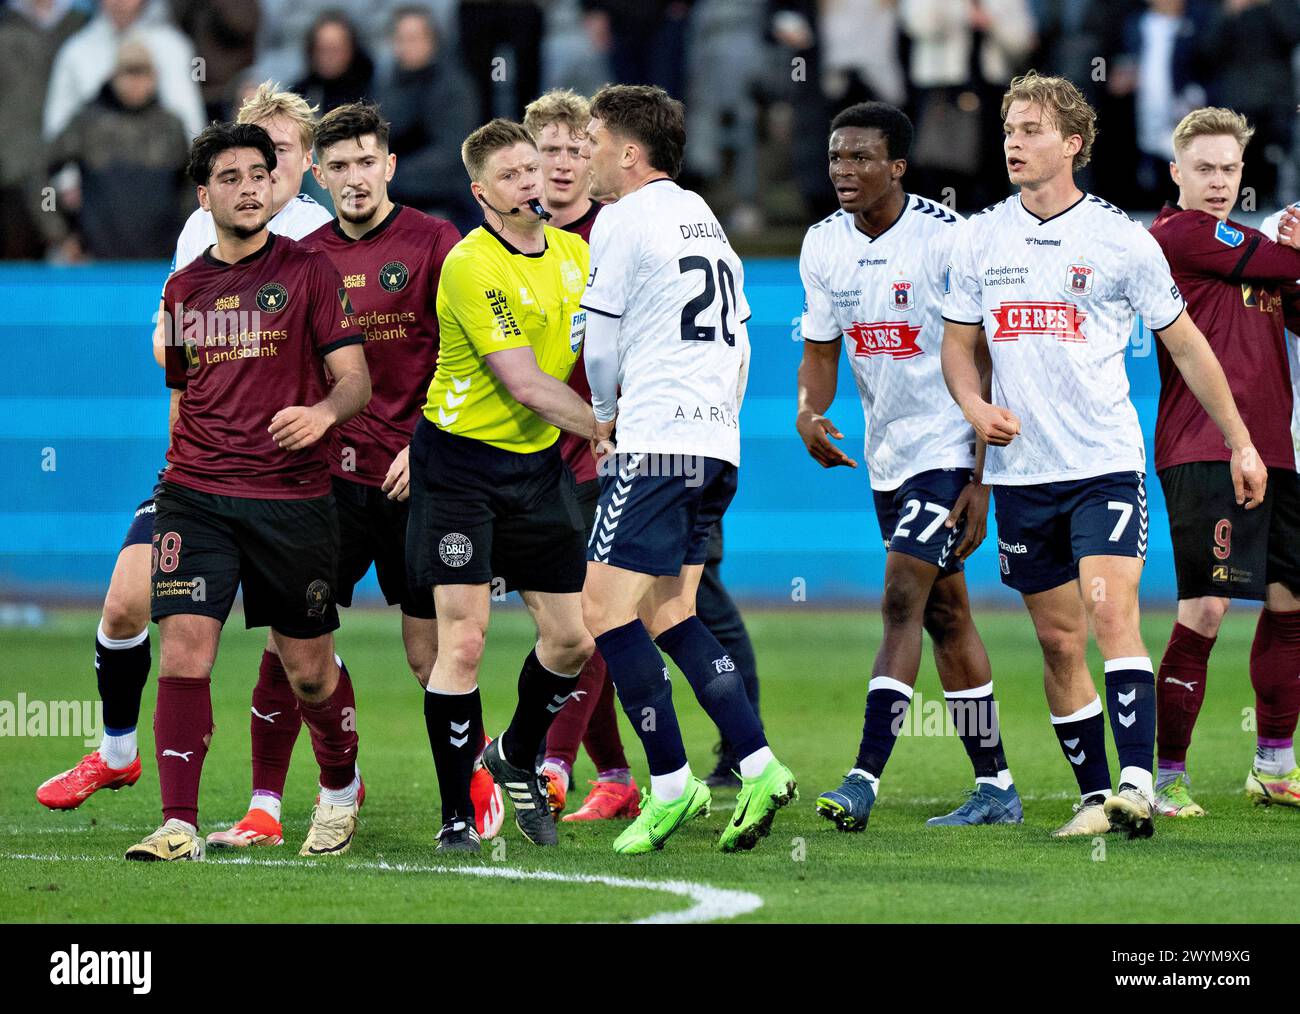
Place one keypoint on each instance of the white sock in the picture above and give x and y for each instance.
(268, 803)
(875, 781)
(1275, 760)
(756, 763)
(666, 788)
(185, 824)
(1139, 778)
(1002, 781)
(1165, 775)
(118, 751)
(341, 797)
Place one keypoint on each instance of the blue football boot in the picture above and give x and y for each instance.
(985, 804)
(849, 806)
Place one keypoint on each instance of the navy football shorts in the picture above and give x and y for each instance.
(1046, 529)
(656, 510)
(911, 517)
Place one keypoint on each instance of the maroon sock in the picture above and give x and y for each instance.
(333, 725)
(602, 740)
(1180, 691)
(273, 725)
(1275, 673)
(182, 729)
(569, 726)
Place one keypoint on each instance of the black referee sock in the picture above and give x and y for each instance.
(121, 669)
(542, 694)
(455, 726)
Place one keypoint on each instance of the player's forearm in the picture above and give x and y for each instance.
(818, 378)
(960, 370)
(984, 363)
(558, 404)
(348, 396)
(600, 359)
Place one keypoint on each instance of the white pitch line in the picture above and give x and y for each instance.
(710, 903)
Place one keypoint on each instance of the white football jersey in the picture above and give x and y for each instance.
(1057, 298)
(300, 217)
(885, 297)
(1269, 229)
(661, 263)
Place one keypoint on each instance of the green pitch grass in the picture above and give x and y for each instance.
(1235, 865)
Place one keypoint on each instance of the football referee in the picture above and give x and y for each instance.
(490, 493)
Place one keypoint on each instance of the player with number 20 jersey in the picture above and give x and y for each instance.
(667, 352)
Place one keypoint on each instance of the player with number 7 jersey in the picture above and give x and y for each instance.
(1056, 277)
(667, 354)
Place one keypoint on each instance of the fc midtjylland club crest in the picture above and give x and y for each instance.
(393, 276)
(272, 297)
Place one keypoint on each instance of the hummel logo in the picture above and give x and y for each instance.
(1126, 720)
(1075, 758)
(557, 702)
(463, 729)
(1190, 686)
(265, 718)
(1126, 699)
(175, 753)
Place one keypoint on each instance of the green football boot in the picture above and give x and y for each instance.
(756, 805)
(659, 820)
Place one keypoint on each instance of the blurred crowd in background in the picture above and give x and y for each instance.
(98, 101)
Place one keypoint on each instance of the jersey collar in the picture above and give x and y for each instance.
(907, 201)
(1051, 218)
(511, 247)
(265, 249)
(373, 233)
(587, 216)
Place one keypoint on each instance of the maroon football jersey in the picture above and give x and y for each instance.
(389, 293)
(248, 340)
(1232, 277)
(575, 450)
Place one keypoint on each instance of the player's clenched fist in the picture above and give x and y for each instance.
(995, 425)
(299, 426)
(816, 430)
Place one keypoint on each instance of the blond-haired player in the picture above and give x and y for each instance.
(1055, 277)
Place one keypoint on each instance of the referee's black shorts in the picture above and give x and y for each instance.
(479, 512)
(1225, 551)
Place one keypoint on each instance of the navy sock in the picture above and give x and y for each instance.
(121, 674)
(455, 726)
(1131, 703)
(718, 686)
(645, 693)
(717, 611)
(887, 703)
(542, 694)
(975, 715)
(1083, 741)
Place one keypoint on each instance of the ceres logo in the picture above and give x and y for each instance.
(1062, 321)
(895, 339)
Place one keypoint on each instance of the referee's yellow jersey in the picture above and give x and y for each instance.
(491, 298)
